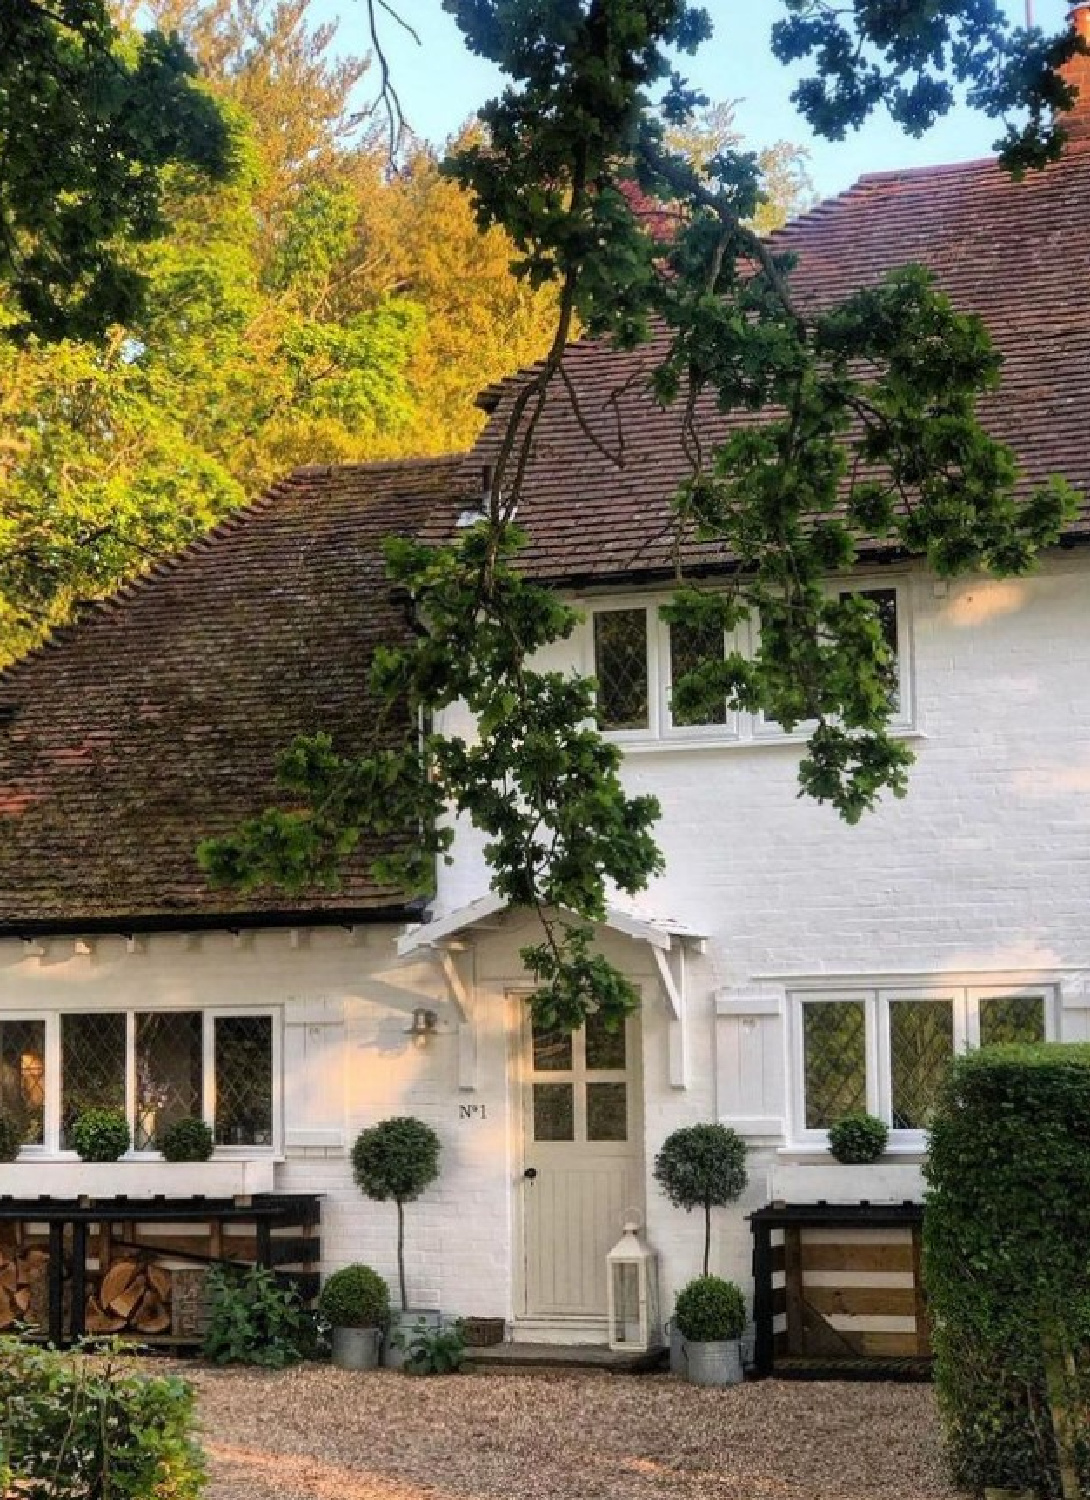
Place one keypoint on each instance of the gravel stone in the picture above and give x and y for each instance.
(314, 1433)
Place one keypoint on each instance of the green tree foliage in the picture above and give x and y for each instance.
(1005, 1260)
(88, 119)
(869, 428)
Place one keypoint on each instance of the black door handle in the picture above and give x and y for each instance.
(530, 1173)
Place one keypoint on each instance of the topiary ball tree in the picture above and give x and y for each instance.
(702, 1166)
(101, 1135)
(397, 1158)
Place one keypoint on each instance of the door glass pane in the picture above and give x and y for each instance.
(605, 1047)
(834, 1038)
(1006, 1019)
(552, 1051)
(921, 1043)
(690, 647)
(620, 665)
(554, 1112)
(92, 1067)
(607, 1112)
(22, 1077)
(244, 1081)
(169, 1071)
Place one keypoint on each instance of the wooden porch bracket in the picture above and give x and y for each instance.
(457, 966)
(671, 966)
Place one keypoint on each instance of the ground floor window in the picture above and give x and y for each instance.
(886, 1050)
(155, 1066)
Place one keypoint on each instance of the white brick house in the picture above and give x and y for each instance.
(954, 917)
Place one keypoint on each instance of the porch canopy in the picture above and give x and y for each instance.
(668, 942)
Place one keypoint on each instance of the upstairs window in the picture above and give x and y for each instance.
(622, 669)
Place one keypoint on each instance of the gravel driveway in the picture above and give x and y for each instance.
(322, 1434)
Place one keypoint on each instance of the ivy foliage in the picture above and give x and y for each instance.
(1006, 1231)
(88, 120)
(868, 429)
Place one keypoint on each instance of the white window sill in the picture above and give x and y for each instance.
(661, 744)
(136, 1177)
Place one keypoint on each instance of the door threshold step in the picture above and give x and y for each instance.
(501, 1358)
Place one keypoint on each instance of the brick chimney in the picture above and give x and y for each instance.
(1076, 71)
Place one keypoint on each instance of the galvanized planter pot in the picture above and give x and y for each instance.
(403, 1323)
(718, 1363)
(356, 1348)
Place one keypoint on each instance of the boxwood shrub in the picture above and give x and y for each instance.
(356, 1297)
(858, 1139)
(76, 1427)
(188, 1139)
(101, 1135)
(710, 1310)
(1007, 1267)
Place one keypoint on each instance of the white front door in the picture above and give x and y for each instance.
(582, 1165)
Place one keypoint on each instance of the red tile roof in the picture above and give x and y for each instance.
(156, 719)
(1017, 253)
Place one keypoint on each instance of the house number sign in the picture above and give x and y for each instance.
(473, 1111)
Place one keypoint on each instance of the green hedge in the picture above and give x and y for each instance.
(77, 1427)
(1007, 1267)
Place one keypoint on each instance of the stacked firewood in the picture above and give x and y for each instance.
(133, 1295)
(21, 1274)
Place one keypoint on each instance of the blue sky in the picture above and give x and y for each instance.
(441, 85)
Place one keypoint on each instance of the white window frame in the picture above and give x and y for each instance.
(51, 1147)
(739, 728)
(876, 997)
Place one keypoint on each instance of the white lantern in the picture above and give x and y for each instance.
(633, 1293)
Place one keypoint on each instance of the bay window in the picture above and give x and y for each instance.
(886, 1050)
(156, 1067)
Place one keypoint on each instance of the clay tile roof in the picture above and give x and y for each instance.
(1016, 253)
(156, 719)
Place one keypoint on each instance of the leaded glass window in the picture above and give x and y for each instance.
(885, 605)
(22, 1077)
(620, 665)
(1009, 1019)
(169, 1073)
(921, 1044)
(244, 1071)
(93, 1054)
(691, 646)
(834, 1035)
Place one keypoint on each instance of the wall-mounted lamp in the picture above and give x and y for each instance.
(424, 1026)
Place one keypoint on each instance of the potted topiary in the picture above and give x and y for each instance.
(187, 1139)
(858, 1138)
(397, 1159)
(710, 1314)
(356, 1301)
(11, 1137)
(101, 1135)
(700, 1166)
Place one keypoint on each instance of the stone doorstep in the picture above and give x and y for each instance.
(518, 1358)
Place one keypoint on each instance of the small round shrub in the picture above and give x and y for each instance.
(101, 1135)
(188, 1139)
(397, 1159)
(710, 1311)
(356, 1297)
(11, 1138)
(858, 1138)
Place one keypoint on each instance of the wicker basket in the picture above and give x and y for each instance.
(479, 1333)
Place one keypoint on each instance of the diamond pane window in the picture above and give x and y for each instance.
(620, 665)
(690, 647)
(244, 1081)
(1011, 1019)
(169, 1073)
(605, 1048)
(921, 1043)
(22, 1077)
(92, 1067)
(834, 1035)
